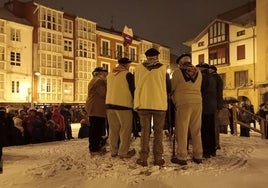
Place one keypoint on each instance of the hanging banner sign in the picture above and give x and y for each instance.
(127, 35)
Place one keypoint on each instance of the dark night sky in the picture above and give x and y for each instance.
(168, 22)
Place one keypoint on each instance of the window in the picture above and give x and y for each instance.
(132, 53)
(86, 30)
(51, 41)
(50, 19)
(105, 48)
(241, 52)
(68, 91)
(68, 45)
(2, 85)
(2, 26)
(218, 32)
(50, 89)
(15, 58)
(15, 35)
(106, 66)
(240, 33)
(2, 53)
(201, 58)
(86, 49)
(218, 55)
(68, 26)
(84, 68)
(68, 66)
(15, 87)
(119, 51)
(201, 44)
(51, 64)
(241, 78)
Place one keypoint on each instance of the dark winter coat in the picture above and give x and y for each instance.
(209, 93)
(219, 90)
(95, 103)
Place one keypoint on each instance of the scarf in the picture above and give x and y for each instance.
(152, 64)
(119, 69)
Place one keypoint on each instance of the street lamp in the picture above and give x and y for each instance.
(169, 73)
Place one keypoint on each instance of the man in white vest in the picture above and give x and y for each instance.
(152, 85)
(119, 103)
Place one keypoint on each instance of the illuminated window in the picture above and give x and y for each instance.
(15, 86)
(218, 32)
(105, 48)
(15, 35)
(50, 89)
(68, 45)
(219, 55)
(2, 26)
(106, 66)
(241, 78)
(68, 26)
(50, 19)
(86, 30)
(68, 66)
(132, 53)
(2, 85)
(15, 58)
(119, 51)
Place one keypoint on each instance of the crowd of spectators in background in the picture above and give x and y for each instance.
(36, 125)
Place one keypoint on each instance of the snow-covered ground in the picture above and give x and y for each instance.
(242, 162)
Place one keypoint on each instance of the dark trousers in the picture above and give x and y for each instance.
(97, 126)
(244, 131)
(208, 134)
(68, 130)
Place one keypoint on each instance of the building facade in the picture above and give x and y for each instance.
(15, 59)
(60, 51)
(235, 43)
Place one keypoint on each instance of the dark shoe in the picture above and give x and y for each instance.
(206, 156)
(218, 147)
(160, 162)
(197, 161)
(142, 162)
(114, 155)
(102, 151)
(213, 154)
(179, 161)
(129, 154)
(103, 141)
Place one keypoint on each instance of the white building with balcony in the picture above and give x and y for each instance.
(15, 59)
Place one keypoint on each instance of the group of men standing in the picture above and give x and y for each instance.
(116, 95)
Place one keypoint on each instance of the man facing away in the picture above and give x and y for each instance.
(186, 95)
(119, 102)
(96, 109)
(152, 84)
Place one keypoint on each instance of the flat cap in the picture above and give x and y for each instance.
(203, 65)
(151, 52)
(182, 56)
(213, 67)
(100, 69)
(124, 60)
